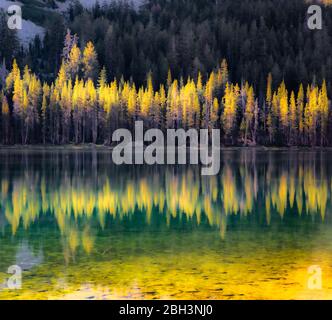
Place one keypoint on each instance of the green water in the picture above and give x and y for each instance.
(82, 228)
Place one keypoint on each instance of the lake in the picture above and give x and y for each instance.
(80, 227)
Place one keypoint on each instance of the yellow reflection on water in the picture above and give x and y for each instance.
(251, 232)
(300, 187)
(190, 275)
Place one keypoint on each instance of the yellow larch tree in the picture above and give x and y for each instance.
(293, 119)
(90, 62)
(172, 105)
(249, 113)
(230, 103)
(74, 63)
(311, 115)
(324, 114)
(208, 99)
(300, 113)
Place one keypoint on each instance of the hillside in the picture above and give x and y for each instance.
(37, 13)
(29, 30)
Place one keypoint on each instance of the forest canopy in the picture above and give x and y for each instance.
(251, 68)
(255, 37)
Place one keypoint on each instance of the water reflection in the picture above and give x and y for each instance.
(72, 202)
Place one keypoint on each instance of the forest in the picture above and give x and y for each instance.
(261, 77)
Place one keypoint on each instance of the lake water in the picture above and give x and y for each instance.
(80, 227)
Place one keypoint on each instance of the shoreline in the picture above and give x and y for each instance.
(100, 147)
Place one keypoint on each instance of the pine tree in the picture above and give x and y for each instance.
(5, 120)
(45, 113)
(32, 113)
(65, 104)
(324, 114)
(169, 79)
(224, 72)
(92, 109)
(3, 74)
